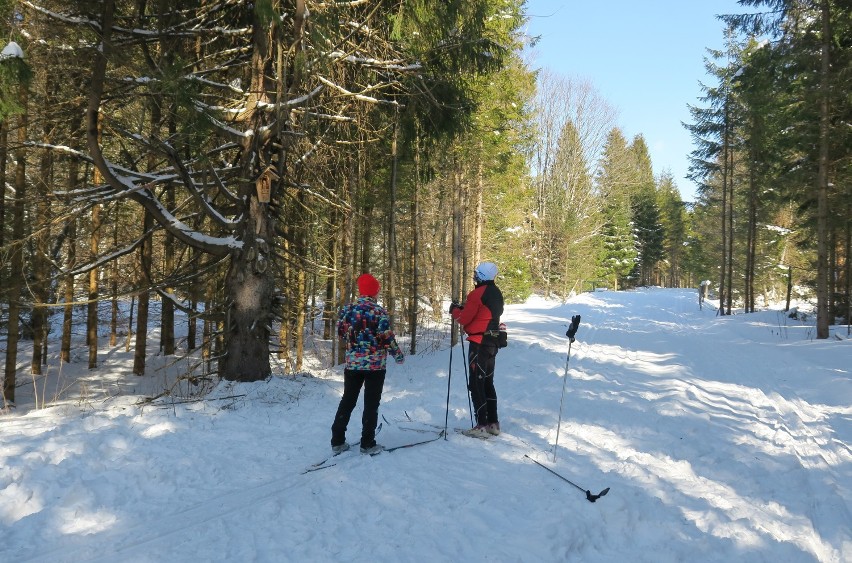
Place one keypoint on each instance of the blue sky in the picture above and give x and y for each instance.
(645, 57)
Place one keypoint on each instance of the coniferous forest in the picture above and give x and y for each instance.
(239, 164)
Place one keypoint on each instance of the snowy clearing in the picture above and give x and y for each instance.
(721, 439)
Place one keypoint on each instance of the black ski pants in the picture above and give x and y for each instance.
(373, 381)
(481, 359)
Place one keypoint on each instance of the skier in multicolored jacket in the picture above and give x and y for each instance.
(364, 327)
(480, 319)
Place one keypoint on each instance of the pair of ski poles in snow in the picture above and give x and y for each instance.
(467, 386)
(571, 333)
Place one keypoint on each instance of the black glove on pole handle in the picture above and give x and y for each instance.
(572, 331)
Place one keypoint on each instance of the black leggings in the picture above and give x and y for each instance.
(353, 380)
(481, 359)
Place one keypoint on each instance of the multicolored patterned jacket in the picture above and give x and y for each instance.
(365, 328)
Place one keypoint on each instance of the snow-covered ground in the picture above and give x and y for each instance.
(721, 439)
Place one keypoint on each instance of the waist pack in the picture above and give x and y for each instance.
(500, 335)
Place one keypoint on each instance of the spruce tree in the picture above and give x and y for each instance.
(618, 251)
(645, 213)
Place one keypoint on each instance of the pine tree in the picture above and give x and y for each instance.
(806, 34)
(645, 213)
(618, 254)
(673, 218)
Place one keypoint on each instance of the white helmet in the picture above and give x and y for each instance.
(485, 271)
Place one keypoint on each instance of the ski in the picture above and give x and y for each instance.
(429, 424)
(411, 445)
(466, 432)
(589, 496)
(421, 430)
(322, 464)
(437, 428)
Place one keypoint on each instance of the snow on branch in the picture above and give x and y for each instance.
(184, 30)
(105, 259)
(396, 64)
(200, 197)
(73, 20)
(357, 96)
(326, 116)
(341, 4)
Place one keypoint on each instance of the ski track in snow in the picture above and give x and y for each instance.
(721, 438)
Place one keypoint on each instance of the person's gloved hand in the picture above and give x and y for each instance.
(572, 330)
(454, 306)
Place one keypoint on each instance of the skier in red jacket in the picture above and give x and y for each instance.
(479, 317)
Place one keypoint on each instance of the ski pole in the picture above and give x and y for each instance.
(572, 330)
(449, 378)
(467, 384)
(589, 496)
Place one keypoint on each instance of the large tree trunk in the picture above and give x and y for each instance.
(250, 285)
(300, 301)
(730, 252)
(250, 288)
(4, 144)
(140, 351)
(847, 245)
(413, 300)
(167, 321)
(347, 250)
(192, 317)
(70, 261)
(16, 278)
(113, 291)
(751, 238)
(94, 244)
(822, 322)
(328, 309)
(40, 261)
(457, 245)
(478, 219)
(146, 250)
(723, 254)
(92, 307)
(390, 300)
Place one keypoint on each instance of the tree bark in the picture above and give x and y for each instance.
(478, 219)
(70, 261)
(822, 322)
(414, 301)
(723, 264)
(113, 291)
(167, 321)
(390, 300)
(39, 261)
(4, 144)
(457, 242)
(4, 147)
(140, 350)
(16, 278)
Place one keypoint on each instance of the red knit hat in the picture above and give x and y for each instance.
(368, 285)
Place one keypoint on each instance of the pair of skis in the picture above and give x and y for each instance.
(329, 461)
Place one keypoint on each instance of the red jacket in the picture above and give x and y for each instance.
(481, 311)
